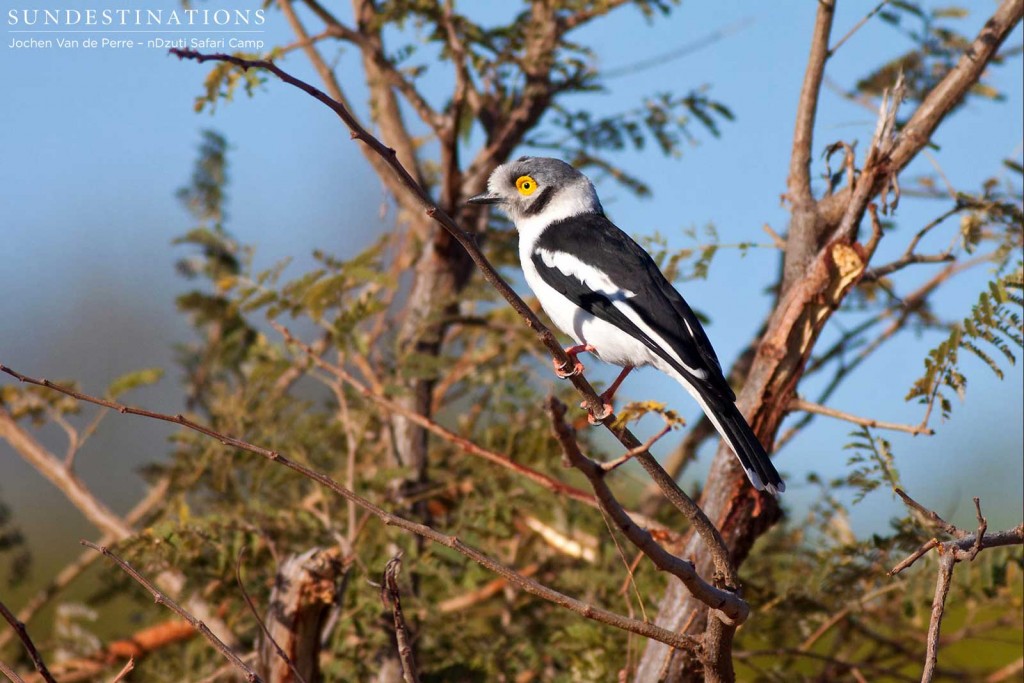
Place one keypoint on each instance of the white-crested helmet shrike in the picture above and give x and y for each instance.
(603, 290)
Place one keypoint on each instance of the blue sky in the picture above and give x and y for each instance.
(95, 142)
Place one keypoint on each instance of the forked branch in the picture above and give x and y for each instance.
(515, 578)
(593, 403)
(965, 548)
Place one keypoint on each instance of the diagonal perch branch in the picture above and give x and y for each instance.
(515, 578)
(675, 495)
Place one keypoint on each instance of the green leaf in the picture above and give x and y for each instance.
(133, 380)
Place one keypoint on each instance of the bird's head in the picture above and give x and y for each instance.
(539, 187)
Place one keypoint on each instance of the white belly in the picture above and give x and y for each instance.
(613, 345)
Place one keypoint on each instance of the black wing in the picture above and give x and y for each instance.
(598, 243)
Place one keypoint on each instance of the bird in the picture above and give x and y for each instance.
(606, 292)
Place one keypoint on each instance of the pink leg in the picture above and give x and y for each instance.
(606, 398)
(572, 352)
(610, 391)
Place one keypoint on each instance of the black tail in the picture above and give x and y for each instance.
(741, 438)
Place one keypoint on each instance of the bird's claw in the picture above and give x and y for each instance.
(595, 420)
(577, 368)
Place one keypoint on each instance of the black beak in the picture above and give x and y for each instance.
(486, 198)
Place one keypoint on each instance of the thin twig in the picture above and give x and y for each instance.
(946, 563)
(128, 667)
(914, 556)
(530, 586)
(389, 593)
(30, 647)
(930, 516)
(11, 675)
(808, 407)
(256, 615)
(162, 599)
(632, 452)
(857, 26)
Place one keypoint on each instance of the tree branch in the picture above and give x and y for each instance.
(162, 599)
(808, 407)
(26, 640)
(734, 610)
(942, 98)
(9, 672)
(801, 243)
(530, 586)
(965, 548)
(389, 594)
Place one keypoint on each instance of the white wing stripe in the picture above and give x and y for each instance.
(635, 318)
(570, 266)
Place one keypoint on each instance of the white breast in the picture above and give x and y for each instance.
(612, 344)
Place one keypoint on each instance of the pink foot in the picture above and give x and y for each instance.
(577, 367)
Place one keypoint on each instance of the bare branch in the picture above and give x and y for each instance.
(69, 484)
(857, 27)
(9, 672)
(965, 548)
(801, 243)
(128, 667)
(389, 593)
(909, 256)
(808, 407)
(943, 97)
(914, 556)
(930, 516)
(734, 610)
(628, 455)
(945, 575)
(530, 586)
(1006, 672)
(30, 647)
(162, 599)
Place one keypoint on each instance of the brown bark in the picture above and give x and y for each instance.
(304, 590)
(815, 287)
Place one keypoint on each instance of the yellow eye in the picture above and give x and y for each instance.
(526, 185)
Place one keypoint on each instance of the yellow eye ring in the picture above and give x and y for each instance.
(526, 185)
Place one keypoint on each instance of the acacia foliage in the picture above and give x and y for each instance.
(811, 571)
